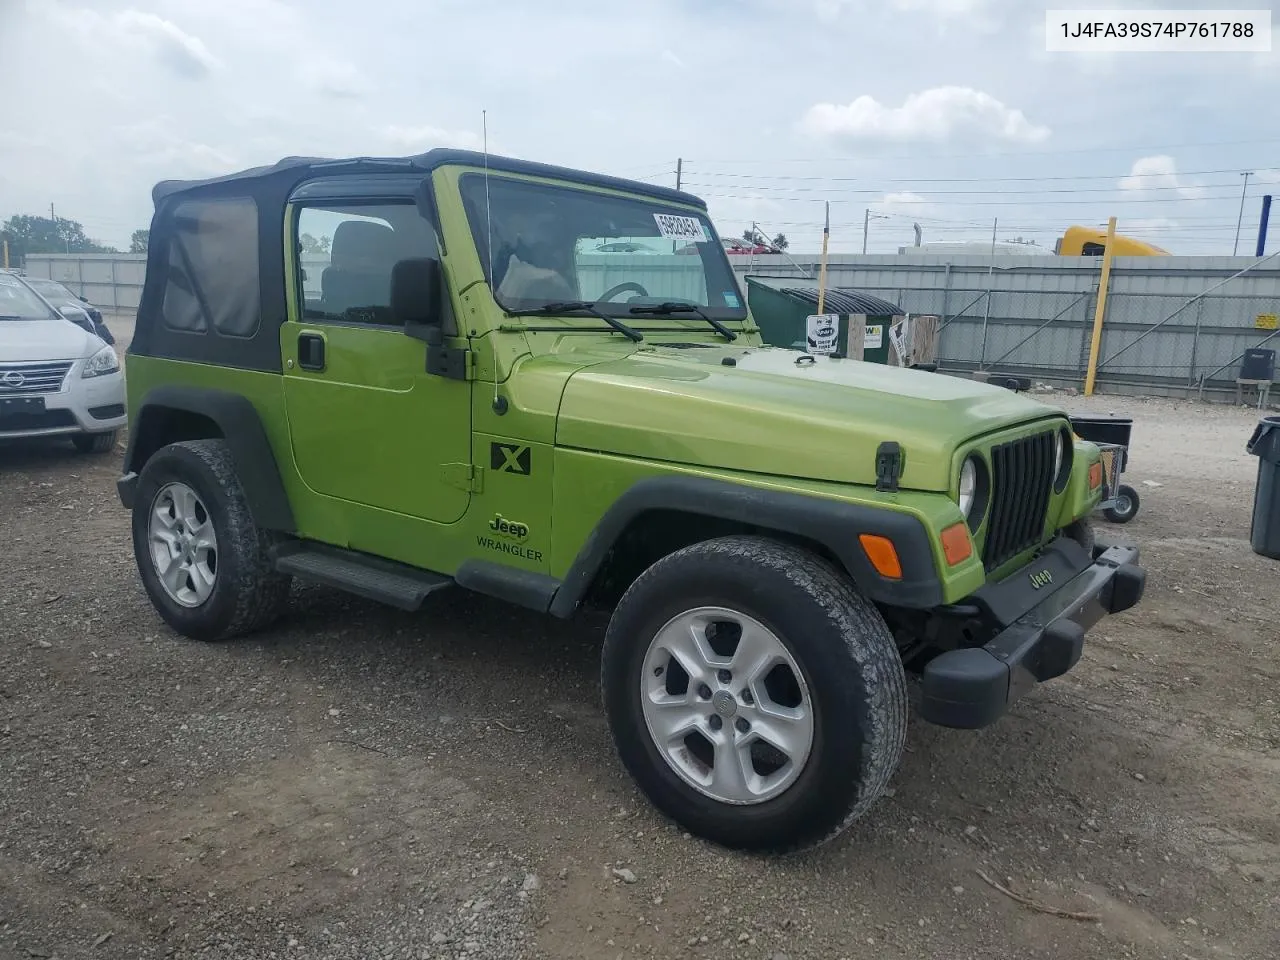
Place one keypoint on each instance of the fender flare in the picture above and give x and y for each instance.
(835, 524)
(241, 428)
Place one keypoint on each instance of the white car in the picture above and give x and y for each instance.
(56, 379)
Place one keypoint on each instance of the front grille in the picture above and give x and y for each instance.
(39, 420)
(1021, 482)
(33, 377)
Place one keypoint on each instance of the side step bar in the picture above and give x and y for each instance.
(394, 584)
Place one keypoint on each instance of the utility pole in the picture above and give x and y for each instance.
(1240, 218)
(679, 171)
(822, 273)
(866, 223)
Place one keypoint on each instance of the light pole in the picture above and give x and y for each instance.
(1240, 218)
(866, 224)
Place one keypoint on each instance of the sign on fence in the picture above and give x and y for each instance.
(1265, 321)
(821, 331)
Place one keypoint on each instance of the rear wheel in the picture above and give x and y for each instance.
(202, 559)
(95, 442)
(1126, 507)
(753, 694)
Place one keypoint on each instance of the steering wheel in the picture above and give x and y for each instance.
(628, 285)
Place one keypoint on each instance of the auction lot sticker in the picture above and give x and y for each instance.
(680, 228)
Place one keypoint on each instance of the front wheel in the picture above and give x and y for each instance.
(1126, 507)
(753, 694)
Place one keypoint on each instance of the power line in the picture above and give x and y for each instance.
(1005, 153)
(1064, 177)
(982, 193)
(1100, 201)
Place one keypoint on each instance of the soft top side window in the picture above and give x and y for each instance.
(346, 253)
(212, 278)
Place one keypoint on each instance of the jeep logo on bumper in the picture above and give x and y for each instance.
(1041, 579)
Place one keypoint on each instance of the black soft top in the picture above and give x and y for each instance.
(296, 169)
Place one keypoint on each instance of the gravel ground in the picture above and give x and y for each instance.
(362, 783)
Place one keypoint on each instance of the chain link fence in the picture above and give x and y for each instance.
(1172, 326)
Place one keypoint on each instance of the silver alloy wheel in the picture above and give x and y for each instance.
(727, 705)
(184, 547)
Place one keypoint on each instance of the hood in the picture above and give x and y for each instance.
(23, 341)
(768, 413)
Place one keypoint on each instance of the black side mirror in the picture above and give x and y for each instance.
(415, 298)
(84, 299)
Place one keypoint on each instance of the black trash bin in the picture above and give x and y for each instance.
(1264, 533)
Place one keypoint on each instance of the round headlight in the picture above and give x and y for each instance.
(968, 486)
(1062, 456)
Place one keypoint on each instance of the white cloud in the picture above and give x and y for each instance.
(968, 11)
(1159, 172)
(942, 8)
(424, 138)
(184, 53)
(903, 200)
(938, 114)
(129, 31)
(335, 78)
(1268, 176)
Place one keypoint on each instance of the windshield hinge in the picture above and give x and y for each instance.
(889, 461)
(464, 476)
(455, 363)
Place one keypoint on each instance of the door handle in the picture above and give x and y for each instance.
(310, 351)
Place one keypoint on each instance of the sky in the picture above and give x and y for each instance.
(949, 114)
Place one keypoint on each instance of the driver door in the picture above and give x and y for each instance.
(368, 425)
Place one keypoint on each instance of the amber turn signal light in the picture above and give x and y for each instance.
(956, 545)
(1095, 476)
(882, 554)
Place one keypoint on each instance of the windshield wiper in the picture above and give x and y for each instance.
(670, 307)
(583, 306)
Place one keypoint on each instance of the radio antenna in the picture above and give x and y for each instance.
(488, 225)
(488, 216)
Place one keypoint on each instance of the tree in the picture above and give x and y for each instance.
(138, 242)
(312, 245)
(29, 234)
(755, 236)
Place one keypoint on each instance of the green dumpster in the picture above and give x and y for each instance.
(781, 308)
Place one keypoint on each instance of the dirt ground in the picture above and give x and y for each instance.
(362, 783)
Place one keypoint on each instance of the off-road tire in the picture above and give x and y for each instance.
(1083, 533)
(842, 645)
(95, 442)
(247, 594)
(1117, 515)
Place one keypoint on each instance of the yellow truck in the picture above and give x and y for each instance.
(1080, 241)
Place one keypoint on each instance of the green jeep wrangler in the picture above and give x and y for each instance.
(392, 376)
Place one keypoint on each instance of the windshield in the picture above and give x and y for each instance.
(52, 290)
(559, 243)
(17, 302)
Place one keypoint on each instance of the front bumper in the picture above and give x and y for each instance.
(1041, 636)
(80, 405)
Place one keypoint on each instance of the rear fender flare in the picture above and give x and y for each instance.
(241, 427)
